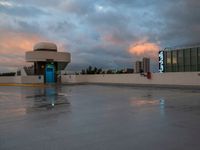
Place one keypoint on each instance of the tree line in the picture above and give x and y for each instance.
(8, 74)
(95, 70)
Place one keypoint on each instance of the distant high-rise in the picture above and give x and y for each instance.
(138, 66)
(146, 64)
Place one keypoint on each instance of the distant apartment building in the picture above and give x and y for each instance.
(146, 64)
(185, 59)
(138, 66)
(142, 66)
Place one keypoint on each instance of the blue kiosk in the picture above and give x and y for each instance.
(50, 72)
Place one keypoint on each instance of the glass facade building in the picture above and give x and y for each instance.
(180, 59)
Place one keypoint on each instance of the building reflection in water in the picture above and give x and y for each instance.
(153, 103)
(48, 98)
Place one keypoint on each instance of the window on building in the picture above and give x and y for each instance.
(180, 60)
(194, 59)
(174, 61)
(169, 62)
(174, 58)
(198, 59)
(169, 58)
(187, 59)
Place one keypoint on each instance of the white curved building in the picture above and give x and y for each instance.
(47, 60)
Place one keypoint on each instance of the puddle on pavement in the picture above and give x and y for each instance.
(48, 99)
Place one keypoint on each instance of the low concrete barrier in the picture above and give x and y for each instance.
(32, 79)
(21, 79)
(178, 78)
(10, 79)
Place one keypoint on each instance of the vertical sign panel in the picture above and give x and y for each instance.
(161, 61)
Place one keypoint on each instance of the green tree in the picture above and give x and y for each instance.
(89, 70)
(99, 71)
(95, 70)
(109, 72)
(83, 71)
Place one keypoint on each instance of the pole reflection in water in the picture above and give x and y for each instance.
(162, 106)
(48, 98)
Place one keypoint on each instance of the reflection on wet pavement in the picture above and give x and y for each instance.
(140, 102)
(98, 117)
(48, 99)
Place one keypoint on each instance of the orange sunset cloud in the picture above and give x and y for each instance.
(17, 42)
(13, 47)
(144, 48)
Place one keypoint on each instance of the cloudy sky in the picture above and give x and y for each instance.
(102, 33)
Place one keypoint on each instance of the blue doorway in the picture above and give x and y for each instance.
(50, 71)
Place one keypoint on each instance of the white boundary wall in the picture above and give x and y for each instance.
(21, 79)
(32, 79)
(178, 78)
(10, 79)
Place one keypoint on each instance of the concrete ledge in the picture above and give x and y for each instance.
(140, 85)
(22, 79)
(173, 80)
(151, 85)
(18, 84)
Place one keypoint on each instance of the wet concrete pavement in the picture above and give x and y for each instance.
(92, 117)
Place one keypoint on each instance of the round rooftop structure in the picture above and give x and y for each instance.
(48, 61)
(45, 46)
(47, 52)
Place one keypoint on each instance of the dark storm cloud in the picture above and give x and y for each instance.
(39, 3)
(180, 23)
(78, 7)
(134, 3)
(100, 32)
(27, 27)
(20, 10)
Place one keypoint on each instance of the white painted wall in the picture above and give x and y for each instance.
(32, 56)
(13, 79)
(21, 79)
(32, 79)
(178, 78)
(186, 78)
